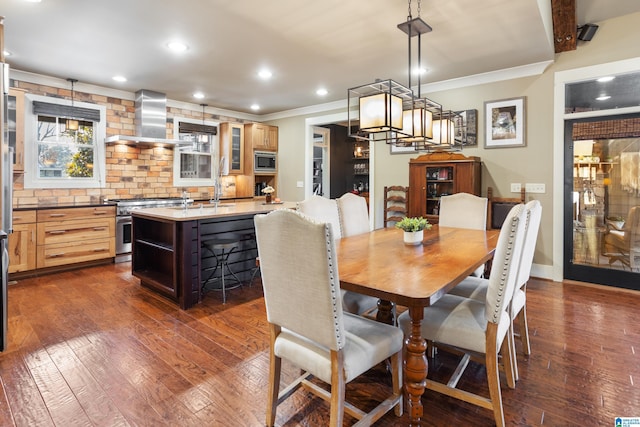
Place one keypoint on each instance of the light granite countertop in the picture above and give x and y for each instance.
(205, 210)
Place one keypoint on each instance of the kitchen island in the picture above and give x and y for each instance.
(167, 242)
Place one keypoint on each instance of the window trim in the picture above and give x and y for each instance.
(194, 182)
(31, 179)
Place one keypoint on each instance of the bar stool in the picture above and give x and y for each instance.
(221, 249)
(249, 238)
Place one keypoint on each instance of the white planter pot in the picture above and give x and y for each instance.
(413, 237)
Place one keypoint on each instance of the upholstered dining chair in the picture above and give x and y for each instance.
(477, 288)
(464, 210)
(326, 210)
(354, 220)
(307, 325)
(478, 328)
(322, 209)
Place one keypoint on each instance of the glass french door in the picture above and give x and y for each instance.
(602, 200)
(321, 145)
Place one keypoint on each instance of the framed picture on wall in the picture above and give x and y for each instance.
(398, 149)
(505, 122)
(468, 132)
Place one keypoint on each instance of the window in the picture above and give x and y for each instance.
(65, 144)
(195, 164)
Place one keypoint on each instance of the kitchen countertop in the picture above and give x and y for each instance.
(205, 210)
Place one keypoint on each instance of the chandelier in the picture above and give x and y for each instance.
(385, 110)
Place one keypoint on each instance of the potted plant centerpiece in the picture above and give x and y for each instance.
(413, 229)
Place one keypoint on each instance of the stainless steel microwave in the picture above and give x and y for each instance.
(264, 161)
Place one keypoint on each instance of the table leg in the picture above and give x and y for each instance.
(415, 366)
(386, 312)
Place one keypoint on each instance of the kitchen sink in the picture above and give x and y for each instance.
(204, 206)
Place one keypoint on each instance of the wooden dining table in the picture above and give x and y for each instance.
(381, 265)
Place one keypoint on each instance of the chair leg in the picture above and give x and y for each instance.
(396, 378)
(493, 374)
(507, 351)
(275, 368)
(338, 389)
(524, 330)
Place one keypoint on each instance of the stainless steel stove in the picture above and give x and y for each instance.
(124, 207)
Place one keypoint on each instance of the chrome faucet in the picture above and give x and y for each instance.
(185, 200)
(217, 184)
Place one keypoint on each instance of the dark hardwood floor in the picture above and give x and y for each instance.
(92, 347)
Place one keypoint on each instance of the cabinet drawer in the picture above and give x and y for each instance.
(46, 215)
(73, 252)
(75, 231)
(24, 217)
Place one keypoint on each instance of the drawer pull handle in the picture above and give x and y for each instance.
(99, 228)
(99, 213)
(57, 232)
(57, 215)
(17, 218)
(55, 255)
(100, 250)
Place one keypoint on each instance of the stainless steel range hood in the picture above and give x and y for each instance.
(150, 121)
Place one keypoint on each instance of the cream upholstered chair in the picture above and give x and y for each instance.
(354, 214)
(322, 209)
(306, 322)
(477, 288)
(354, 219)
(480, 327)
(464, 210)
(624, 245)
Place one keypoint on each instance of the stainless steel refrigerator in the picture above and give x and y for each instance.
(6, 187)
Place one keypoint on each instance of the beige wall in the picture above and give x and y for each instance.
(615, 40)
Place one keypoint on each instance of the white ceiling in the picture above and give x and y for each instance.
(336, 44)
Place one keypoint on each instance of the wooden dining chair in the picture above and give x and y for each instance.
(479, 329)
(498, 207)
(307, 325)
(396, 204)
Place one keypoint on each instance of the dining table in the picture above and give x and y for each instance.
(412, 277)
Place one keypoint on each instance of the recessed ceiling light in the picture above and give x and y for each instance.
(603, 97)
(33, 1)
(322, 92)
(420, 71)
(265, 74)
(198, 95)
(605, 79)
(177, 46)
(120, 79)
(255, 107)
(6, 53)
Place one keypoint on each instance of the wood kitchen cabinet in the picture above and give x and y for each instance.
(72, 235)
(434, 175)
(232, 147)
(22, 242)
(15, 127)
(262, 137)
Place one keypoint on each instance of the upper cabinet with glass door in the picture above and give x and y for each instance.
(15, 127)
(232, 148)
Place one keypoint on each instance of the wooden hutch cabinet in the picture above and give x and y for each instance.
(438, 174)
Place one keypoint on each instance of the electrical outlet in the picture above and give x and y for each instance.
(300, 184)
(516, 187)
(535, 188)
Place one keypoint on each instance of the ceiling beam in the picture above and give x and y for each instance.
(564, 24)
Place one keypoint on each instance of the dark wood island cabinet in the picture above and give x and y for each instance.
(166, 246)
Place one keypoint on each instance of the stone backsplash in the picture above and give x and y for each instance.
(131, 172)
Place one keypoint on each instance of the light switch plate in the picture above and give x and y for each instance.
(516, 187)
(300, 184)
(535, 188)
